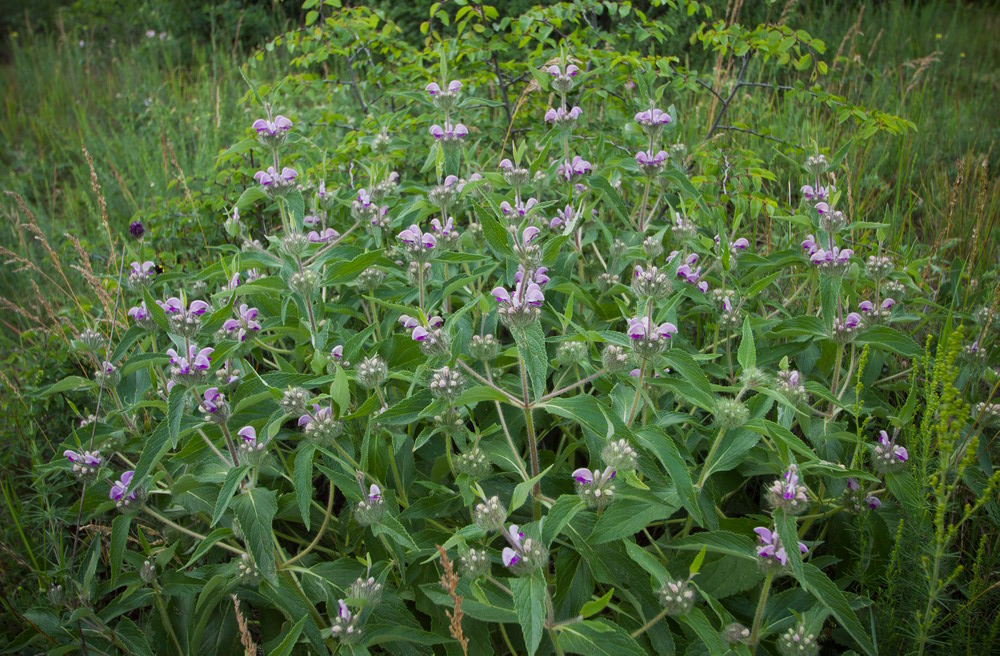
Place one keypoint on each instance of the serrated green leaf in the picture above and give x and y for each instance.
(529, 603)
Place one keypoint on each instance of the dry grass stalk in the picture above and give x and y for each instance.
(187, 192)
(920, 65)
(89, 276)
(96, 186)
(849, 38)
(787, 11)
(449, 581)
(249, 646)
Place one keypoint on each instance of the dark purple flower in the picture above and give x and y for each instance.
(136, 229)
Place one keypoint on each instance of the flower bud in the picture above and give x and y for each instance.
(788, 493)
(304, 283)
(148, 571)
(294, 401)
(371, 372)
(730, 414)
(485, 347)
(571, 353)
(473, 463)
(489, 515)
(474, 563)
(247, 571)
(735, 633)
(367, 589)
(345, 625)
(369, 280)
(446, 383)
(371, 509)
(614, 358)
(619, 455)
(677, 597)
(797, 642)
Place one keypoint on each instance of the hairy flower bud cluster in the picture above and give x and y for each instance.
(816, 164)
(305, 283)
(367, 589)
(372, 508)
(796, 641)
(431, 337)
(446, 383)
(140, 275)
(525, 554)
(294, 401)
(107, 374)
(474, 563)
(124, 494)
(788, 492)
(790, 384)
(683, 228)
(345, 625)
(677, 597)
(184, 322)
(735, 633)
(91, 340)
(888, 456)
(371, 372)
(251, 450)
(484, 347)
(85, 464)
(272, 133)
(190, 369)
(730, 413)
(369, 280)
(620, 455)
(489, 515)
(878, 266)
(562, 117)
(213, 404)
(247, 571)
(473, 463)
(562, 77)
(614, 358)
(651, 282)
(571, 353)
(367, 210)
(596, 488)
(444, 98)
(321, 425)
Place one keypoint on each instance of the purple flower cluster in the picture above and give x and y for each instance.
(271, 179)
(267, 128)
(771, 550)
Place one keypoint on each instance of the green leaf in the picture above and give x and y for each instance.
(256, 510)
(250, 196)
(789, 535)
(119, 541)
(285, 647)
(834, 600)
(595, 606)
(341, 392)
(561, 513)
(598, 638)
(707, 634)
(747, 355)
(390, 526)
(206, 544)
(669, 456)
(302, 479)
(233, 478)
(890, 340)
(531, 346)
(724, 542)
(697, 562)
(523, 488)
(611, 195)
(175, 412)
(529, 603)
(496, 235)
(626, 517)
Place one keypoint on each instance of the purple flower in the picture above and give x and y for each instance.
(874, 503)
(445, 232)
(520, 207)
(818, 194)
(88, 458)
(434, 88)
(570, 71)
(887, 304)
(412, 236)
(822, 208)
(561, 115)
(139, 313)
(323, 236)
(247, 321)
(337, 352)
(650, 162)
(271, 177)
(809, 245)
(319, 413)
(740, 244)
(538, 276)
(640, 329)
(211, 400)
(652, 118)
(195, 362)
(120, 488)
(583, 476)
(408, 322)
(771, 549)
(374, 493)
(249, 435)
(522, 296)
(136, 229)
(852, 320)
(576, 166)
(898, 453)
(866, 307)
(449, 132)
(562, 217)
(273, 128)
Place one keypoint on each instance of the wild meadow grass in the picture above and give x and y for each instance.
(453, 398)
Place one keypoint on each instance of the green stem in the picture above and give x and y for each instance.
(165, 618)
(529, 426)
(638, 394)
(709, 458)
(759, 615)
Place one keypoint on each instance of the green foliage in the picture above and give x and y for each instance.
(594, 459)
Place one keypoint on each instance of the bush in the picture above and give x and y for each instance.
(512, 351)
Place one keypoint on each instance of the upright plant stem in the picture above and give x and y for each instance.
(711, 456)
(529, 426)
(759, 615)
